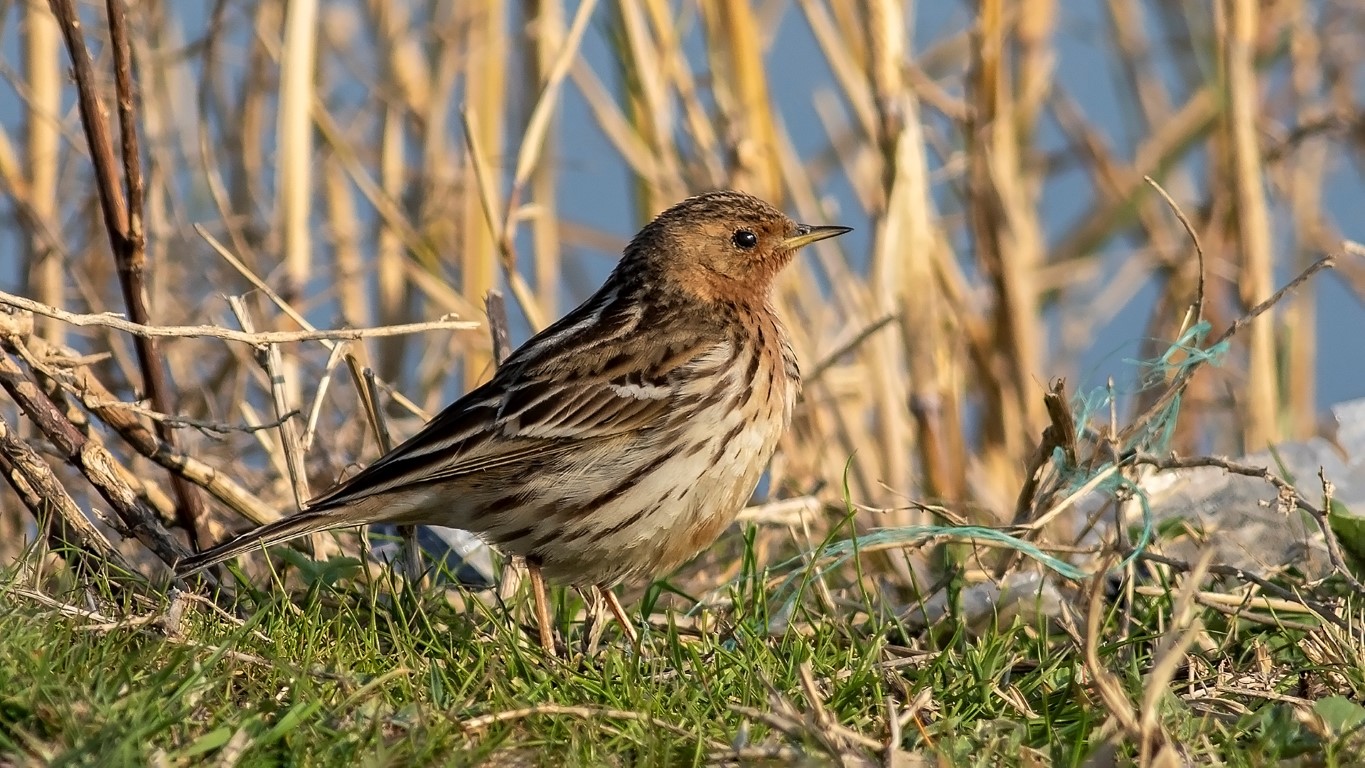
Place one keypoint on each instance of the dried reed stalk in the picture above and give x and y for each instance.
(449, 148)
(485, 49)
(1238, 28)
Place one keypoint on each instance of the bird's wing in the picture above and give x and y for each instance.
(567, 388)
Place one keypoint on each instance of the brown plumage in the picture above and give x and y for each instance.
(620, 441)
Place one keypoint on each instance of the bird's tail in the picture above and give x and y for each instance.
(292, 527)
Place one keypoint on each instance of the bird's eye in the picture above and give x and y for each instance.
(745, 239)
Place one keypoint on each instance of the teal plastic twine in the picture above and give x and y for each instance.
(841, 551)
(1155, 438)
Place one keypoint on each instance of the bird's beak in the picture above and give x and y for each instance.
(806, 234)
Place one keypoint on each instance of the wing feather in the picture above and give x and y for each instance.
(559, 393)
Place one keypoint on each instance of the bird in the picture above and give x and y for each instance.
(620, 441)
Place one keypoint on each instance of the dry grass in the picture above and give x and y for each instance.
(358, 164)
(381, 165)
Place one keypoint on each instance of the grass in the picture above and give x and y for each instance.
(370, 164)
(344, 671)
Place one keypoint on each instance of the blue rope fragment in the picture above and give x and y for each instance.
(1154, 439)
(843, 550)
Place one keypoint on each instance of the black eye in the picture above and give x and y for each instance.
(745, 239)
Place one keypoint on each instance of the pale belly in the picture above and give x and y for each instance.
(669, 513)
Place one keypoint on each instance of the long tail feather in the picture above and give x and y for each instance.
(292, 527)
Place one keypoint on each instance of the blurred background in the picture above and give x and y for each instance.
(386, 162)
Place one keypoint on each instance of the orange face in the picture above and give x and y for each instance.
(725, 246)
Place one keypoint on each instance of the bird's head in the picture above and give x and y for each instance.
(722, 246)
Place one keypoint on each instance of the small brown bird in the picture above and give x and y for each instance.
(618, 442)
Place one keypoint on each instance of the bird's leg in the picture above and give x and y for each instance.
(594, 620)
(620, 614)
(542, 607)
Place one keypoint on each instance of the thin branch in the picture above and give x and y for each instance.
(496, 307)
(124, 223)
(100, 402)
(112, 204)
(1250, 577)
(488, 202)
(1286, 490)
(117, 11)
(1182, 379)
(288, 308)
(40, 490)
(91, 459)
(828, 361)
(258, 339)
(1194, 238)
(58, 368)
(290, 442)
